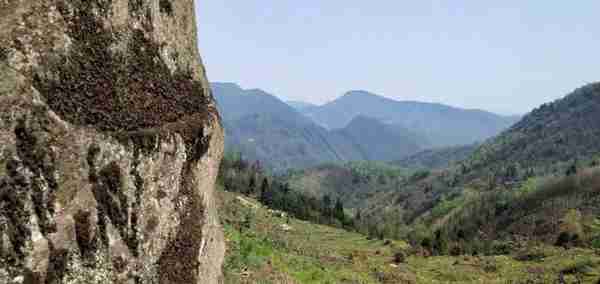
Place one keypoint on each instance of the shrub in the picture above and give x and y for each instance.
(564, 239)
(490, 266)
(596, 242)
(456, 250)
(426, 243)
(399, 257)
(501, 248)
(535, 255)
(420, 175)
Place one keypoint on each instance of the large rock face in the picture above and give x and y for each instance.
(110, 144)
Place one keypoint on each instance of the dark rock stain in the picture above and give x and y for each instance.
(3, 53)
(84, 235)
(166, 7)
(179, 261)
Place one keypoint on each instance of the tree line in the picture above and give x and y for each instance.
(253, 180)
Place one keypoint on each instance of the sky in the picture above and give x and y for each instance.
(502, 56)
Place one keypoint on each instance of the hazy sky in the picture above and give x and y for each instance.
(503, 56)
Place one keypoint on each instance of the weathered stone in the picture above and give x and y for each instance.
(110, 144)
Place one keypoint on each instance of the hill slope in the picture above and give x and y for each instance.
(443, 125)
(300, 106)
(439, 158)
(382, 142)
(520, 173)
(560, 131)
(278, 142)
(263, 247)
(235, 103)
(497, 181)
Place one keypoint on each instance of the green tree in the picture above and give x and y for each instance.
(266, 195)
(338, 211)
(251, 185)
(572, 170)
(326, 206)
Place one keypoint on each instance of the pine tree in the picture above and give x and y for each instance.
(572, 170)
(358, 216)
(338, 211)
(326, 210)
(251, 185)
(266, 195)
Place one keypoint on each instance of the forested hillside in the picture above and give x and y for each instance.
(544, 163)
(543, 168)
(438, 158)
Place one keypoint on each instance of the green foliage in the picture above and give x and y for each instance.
(238, 175)
(249, 250)
(311, 253)
(420, 175)
(446, 205)
(596, 242)
(368, 171)
(437, 158)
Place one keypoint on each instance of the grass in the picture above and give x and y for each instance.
(263, 252)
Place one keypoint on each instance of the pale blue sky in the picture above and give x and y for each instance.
(503, 56)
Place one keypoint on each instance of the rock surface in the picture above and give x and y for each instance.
(110, 144)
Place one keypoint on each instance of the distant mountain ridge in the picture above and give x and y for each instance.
(382, 142)
(300, 106)
(443, 125)
(234, 103)
(262, 127)
(284, 135)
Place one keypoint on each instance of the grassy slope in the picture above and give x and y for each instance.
(309, 253)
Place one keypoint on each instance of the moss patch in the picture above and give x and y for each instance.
(179, 262)
(3, 53)
(134, 5)
(166, 7)
(84, 236)
(112, 91)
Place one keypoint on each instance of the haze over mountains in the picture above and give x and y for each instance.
(357, 126)
(443, 125)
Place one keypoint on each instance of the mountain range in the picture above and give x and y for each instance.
(299, 135)
(556, 139)
(443, 125)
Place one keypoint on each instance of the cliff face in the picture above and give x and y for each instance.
(110, 144)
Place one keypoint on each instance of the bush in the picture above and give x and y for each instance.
(490, 266)
(399, 257)
(564, 239)
(426, 243)
(535, 255)
(456, 250)
(420, 175)
(501, 248)
(596, 242)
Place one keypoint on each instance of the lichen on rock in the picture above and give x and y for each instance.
(110, 144)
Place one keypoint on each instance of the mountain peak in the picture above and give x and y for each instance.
(225, 85)
(359, 94)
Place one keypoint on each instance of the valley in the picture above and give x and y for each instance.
(517, 207)
(399, 142)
